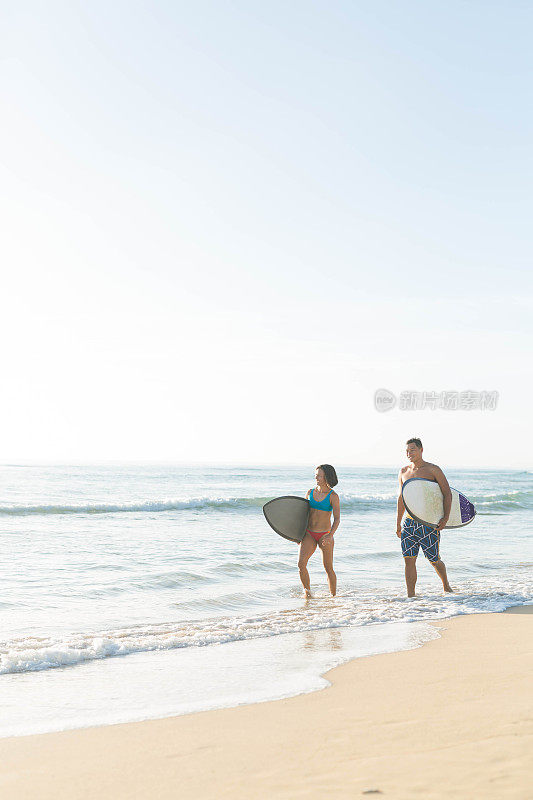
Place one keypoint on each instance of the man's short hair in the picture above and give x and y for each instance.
(415, 440)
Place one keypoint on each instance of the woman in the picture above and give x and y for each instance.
(322, 500)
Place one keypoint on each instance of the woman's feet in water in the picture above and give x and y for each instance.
(309, 595)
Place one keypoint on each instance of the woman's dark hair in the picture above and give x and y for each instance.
(329, 474)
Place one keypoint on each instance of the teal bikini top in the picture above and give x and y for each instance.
(322, 505)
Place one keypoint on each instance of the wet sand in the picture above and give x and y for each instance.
(452, 719)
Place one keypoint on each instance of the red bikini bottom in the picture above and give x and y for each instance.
(317, 534)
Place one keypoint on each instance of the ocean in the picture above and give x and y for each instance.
(135, 592)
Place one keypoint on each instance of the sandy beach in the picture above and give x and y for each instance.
(453, 718)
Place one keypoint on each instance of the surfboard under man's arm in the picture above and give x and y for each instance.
(444, 486)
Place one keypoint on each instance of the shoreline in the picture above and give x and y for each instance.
(463, 713)
(147, 686)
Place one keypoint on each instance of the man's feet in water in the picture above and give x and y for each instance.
(447, 590)
(307, 594)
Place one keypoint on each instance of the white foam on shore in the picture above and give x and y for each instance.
(351, 609)
(172, 683)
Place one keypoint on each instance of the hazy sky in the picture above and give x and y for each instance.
(226, 224)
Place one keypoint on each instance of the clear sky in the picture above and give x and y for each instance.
(226, 224)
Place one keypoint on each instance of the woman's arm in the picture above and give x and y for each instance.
(336, 506)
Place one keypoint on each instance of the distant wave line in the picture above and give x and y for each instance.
(362, 502)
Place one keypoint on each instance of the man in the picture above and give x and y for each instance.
(414, 534)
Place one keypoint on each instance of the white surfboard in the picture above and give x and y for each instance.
(288, 516)
(424, 502)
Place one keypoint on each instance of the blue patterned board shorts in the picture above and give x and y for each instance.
(415, 535)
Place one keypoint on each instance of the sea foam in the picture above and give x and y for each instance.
(31, 654)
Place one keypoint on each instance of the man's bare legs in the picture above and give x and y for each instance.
(410, 574)
(440, 569)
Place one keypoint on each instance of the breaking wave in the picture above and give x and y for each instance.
(360, 503)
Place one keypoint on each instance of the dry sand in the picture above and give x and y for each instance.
(452, 719)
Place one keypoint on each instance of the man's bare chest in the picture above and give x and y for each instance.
(419, 473)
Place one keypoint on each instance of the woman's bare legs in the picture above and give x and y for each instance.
(327, 560)
(307, 548)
